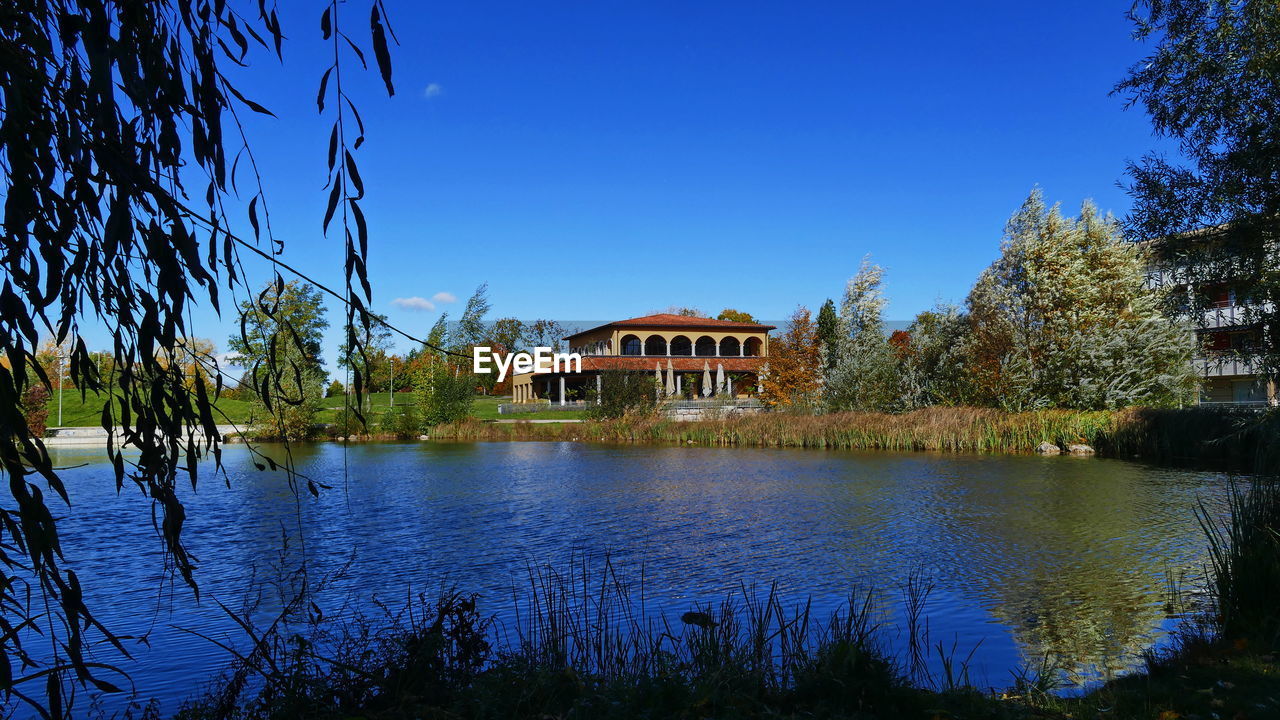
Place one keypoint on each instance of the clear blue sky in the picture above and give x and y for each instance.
(598, 160)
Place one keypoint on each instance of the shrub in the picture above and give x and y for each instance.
(35, 408)
(622, 393)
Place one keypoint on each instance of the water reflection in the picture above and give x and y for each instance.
(1029, 556)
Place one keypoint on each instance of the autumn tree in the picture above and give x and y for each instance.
(735, 316)
(795, 360)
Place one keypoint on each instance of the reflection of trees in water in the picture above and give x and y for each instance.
(1070, 555)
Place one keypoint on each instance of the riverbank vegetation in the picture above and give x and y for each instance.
(1220, 437)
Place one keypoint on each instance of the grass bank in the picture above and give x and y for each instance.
(1218, 437)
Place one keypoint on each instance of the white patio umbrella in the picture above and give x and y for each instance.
(719, 378)
(706, 379)
(671, 379)
(657, 378)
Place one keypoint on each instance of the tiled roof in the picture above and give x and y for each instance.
(679, 364)
(662, 320)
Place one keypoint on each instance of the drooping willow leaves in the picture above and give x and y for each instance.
(117, 121)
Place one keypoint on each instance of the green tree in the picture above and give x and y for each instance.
(1212, 84)
(546, 333)
(828, 333)
(864, 376)
(735, 316)
(444, 393)
(1064, 319)
(471, 327)
(280, 345)
(929, 355)
(622, 393)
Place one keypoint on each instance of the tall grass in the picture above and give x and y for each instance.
(1211, 436)
(1244, 553)
(583, 644)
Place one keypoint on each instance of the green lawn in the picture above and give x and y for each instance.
(86, 411)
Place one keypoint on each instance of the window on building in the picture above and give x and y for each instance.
(705, 347)
(655, 345)
(631, 345)
(681, 345)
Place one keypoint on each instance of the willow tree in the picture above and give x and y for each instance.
(121, 148)
(1064, 318)
(1211, 84)
(863, 376)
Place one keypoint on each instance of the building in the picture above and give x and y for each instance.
(689, 345)
(1228, 330)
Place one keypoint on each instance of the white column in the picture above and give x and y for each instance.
(668, 342)
(598, 388)
(679, 384)
(729, 380)
(742, 349)
(562, 390)
(717, 348)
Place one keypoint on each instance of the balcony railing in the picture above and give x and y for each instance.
(1227, 366)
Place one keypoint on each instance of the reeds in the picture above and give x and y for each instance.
(1243, 439)
(1244, 553)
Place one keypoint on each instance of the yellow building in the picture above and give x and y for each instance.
(734, 350)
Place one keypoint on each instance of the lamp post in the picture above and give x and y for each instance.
(62, 359)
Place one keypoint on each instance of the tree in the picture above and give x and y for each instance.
(546, 333)
(864, 376)
(335, 389)
(1064, 319)
(279, 342)
(682, 310)
(444, 394)
(1211, 84)
(471, 327)
(735, 316)
(622, 393)
(112, 111)
(929, 357)
(828, 333)
(795, 364)
(371, 360)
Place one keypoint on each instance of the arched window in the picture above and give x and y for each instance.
(655, 345)
(752, 347)
(730, 347)
(705, 347)
(680, 345)
(631, 345)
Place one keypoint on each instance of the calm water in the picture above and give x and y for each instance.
(1029, 555)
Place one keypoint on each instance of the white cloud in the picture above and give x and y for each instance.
(414, 303)
(444, 297)
(433, 90)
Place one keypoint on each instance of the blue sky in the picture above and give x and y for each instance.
(599, 160)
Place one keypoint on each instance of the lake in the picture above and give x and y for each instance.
(1064, 556)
